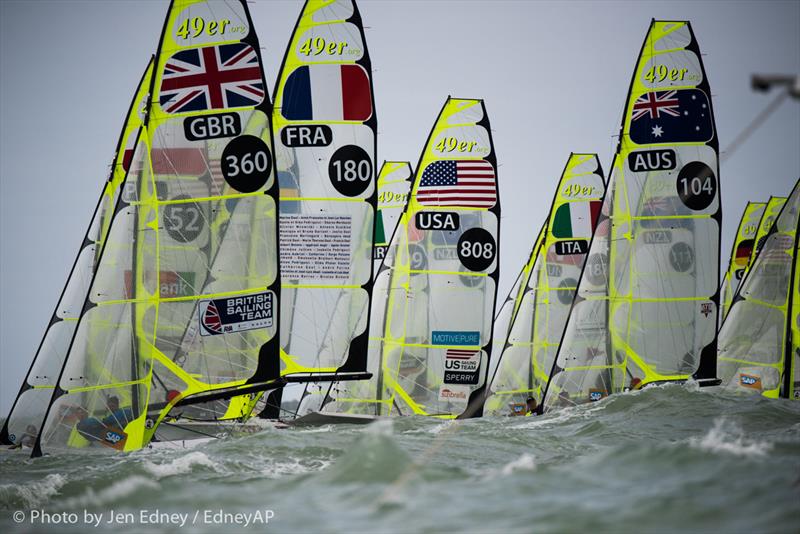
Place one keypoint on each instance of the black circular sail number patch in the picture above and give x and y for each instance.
(350, 170)
(246, 163)
(476, 249)
(183, 221)
(697, 185)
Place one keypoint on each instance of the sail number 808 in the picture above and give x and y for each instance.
(476, 249)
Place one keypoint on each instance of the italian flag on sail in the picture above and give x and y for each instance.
(576, 219)
(380, 233)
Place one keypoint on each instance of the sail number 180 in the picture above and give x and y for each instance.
(350, 170)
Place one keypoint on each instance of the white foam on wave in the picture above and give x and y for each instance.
(35, 494)
(526, 462)
(115, 492)
(180, 465)
(278, 469)
(563, 415)
(380, 427)
(729, 438)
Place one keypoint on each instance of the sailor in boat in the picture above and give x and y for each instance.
(530, 405)
(27, 439)
(524, 410)
(94, 429)
(636, 383)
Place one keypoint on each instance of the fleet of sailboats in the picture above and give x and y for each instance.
(239, 246)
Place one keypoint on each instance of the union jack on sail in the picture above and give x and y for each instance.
(655, 104)
(213, 77)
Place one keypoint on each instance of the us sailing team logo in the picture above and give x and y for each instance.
(236, 314)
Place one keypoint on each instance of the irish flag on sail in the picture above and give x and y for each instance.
(327, 92)
(576, 219)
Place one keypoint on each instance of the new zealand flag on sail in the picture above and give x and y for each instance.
(681, 116)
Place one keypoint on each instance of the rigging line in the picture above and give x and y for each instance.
(759, 119)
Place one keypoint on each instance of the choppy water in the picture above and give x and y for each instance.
(664, 458)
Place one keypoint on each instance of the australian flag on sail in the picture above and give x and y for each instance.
(214, 77)
(680, 116)
(458, 183)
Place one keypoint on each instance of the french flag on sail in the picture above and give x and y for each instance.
(327, 92)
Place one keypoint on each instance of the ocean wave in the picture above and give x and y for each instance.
(113, 493)
(179, 466)
(35, 494)
(728, 437)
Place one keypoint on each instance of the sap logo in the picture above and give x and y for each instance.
(568, 248)
(652, 160)
(750, 381)
(657, 237)
(311, 135)
(212, 126)
(113, 437)
(595, 395)
(437, 220)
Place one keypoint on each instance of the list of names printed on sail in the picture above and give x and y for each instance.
(315, 246)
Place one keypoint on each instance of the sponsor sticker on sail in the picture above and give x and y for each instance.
(750, 381)
(461, 366)
(236, 314)
(454, 394)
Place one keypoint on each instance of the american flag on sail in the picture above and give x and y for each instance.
(214, 77)
(655, 104)
(458, 183)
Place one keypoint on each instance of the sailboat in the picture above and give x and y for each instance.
(23, 423)
(771, 212)
(344, 402)
(759, 342)
(743, 246)
(439, 278)
(545, 290)
(394, 184)
(181, 318)
(326, 130)
(645, 311)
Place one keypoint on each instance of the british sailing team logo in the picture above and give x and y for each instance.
(236, 314)
(211, 320)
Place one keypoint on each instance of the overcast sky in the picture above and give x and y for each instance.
(554, 77)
